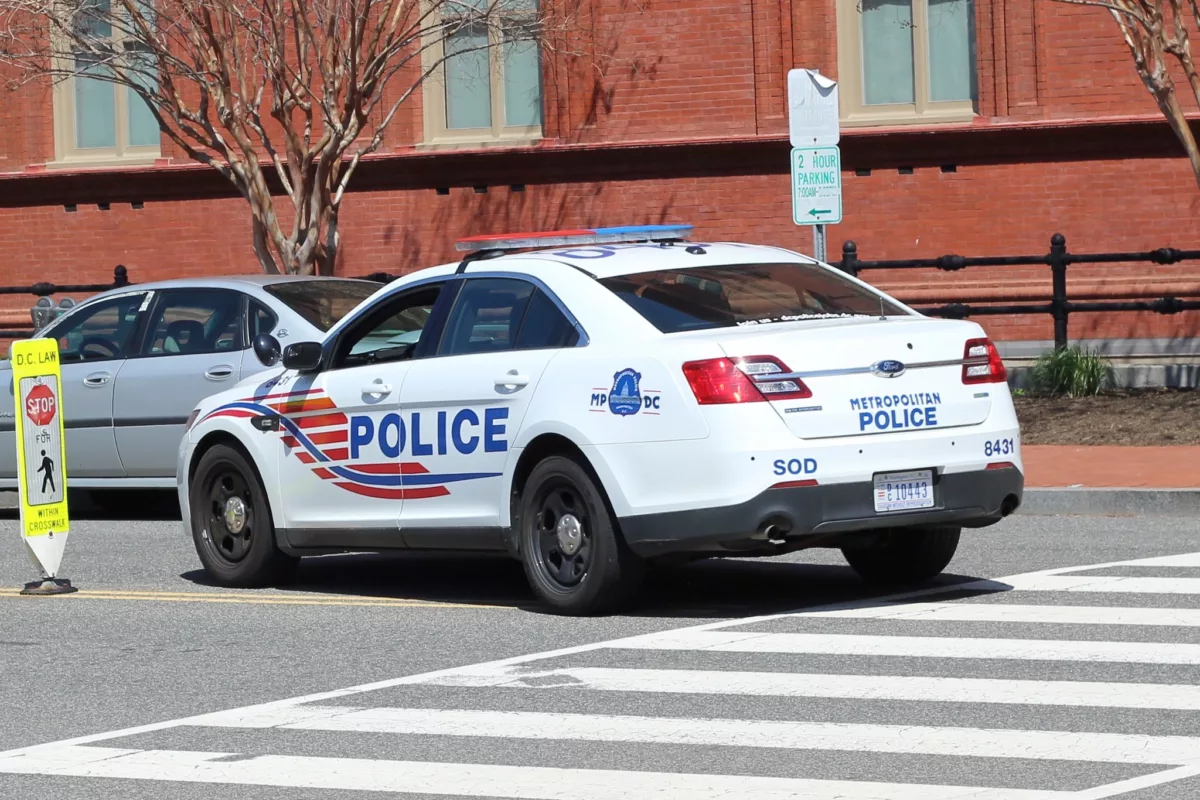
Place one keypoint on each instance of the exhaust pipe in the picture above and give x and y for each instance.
(775, 529)
(1010, 504)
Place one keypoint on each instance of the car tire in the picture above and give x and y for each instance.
(905, 556)
(574, 556)
(232, 526)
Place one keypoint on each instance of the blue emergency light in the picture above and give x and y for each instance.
(577, 236)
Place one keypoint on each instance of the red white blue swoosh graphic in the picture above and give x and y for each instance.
(319, 438)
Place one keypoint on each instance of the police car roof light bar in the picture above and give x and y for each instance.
(578, 236)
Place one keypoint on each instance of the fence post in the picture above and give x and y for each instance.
(849, 264)
(120, 276)
(1058, 303)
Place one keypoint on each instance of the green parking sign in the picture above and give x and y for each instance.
(816, 185)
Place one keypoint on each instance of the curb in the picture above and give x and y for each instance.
(1114, 502)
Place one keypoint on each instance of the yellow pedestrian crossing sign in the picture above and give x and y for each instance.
(41, 451)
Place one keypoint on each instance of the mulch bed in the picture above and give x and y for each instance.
(1129, 417)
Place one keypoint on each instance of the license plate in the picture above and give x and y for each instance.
(902, 491)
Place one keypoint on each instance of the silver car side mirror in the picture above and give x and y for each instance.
(267, 348)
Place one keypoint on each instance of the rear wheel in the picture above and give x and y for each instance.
(905, 555)
(231, 522)
(573, 555)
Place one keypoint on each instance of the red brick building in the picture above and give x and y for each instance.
(977, 127)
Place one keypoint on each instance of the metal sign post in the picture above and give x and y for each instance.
(41, 460)
(814, 130)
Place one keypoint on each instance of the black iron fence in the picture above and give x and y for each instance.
(1060, 307)
(1058, 259)
(44, 311)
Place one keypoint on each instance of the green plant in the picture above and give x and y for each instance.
(1072, 372)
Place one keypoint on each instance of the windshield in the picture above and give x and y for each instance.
(322, 303)
(744, 294)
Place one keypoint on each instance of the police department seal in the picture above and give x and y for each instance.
(625, 399)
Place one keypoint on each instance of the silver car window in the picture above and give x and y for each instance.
(195, 321)
(98, 331)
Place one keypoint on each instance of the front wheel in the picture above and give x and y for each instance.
(905, 556)
(231, 522)
(573, 555)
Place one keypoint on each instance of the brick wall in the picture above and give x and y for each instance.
(689, 70)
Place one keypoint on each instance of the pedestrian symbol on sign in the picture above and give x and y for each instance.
(48, 468)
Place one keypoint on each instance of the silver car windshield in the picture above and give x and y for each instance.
(322, 302)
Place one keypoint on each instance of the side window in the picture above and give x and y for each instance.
(193, 322)
(262, 319)
(99, 332)
(486, 317)
(390, 332)
(545, 325)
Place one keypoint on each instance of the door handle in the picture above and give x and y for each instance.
(218, 373)
(97, 379)
(513, 378)
(377, 388)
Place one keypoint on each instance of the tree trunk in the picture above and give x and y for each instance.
(262, 246)
(1183, 130)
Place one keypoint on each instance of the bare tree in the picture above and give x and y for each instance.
(303, 89)
(1158, 33)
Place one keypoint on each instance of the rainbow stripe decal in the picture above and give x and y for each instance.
(318, 434)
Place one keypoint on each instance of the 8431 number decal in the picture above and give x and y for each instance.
(1000, 447)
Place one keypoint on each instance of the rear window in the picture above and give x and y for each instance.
(322, 303)
(743, 294)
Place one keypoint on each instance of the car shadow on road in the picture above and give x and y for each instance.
(717, 588)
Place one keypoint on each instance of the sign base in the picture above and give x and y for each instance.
(49, 586)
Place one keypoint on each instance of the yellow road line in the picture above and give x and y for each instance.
(254, 599)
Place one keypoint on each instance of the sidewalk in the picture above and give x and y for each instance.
(1107, 467)
(1111, 480)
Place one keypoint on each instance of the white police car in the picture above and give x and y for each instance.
(592, 400)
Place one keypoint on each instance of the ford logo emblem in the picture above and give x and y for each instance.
(888, 369)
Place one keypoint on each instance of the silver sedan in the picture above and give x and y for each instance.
(137, 360)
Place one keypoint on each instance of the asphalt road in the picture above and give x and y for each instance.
(463, 687)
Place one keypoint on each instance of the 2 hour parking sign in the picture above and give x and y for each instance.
(41, 454)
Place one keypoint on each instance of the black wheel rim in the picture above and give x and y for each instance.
(229, 514)
(562, 529)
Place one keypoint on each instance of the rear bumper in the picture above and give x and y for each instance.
(968, 499)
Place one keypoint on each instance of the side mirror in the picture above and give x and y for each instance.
(267, 348)
(303, 356)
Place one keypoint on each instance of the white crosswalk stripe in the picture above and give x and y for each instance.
(895, 695)
(727, 641)
(929, 740)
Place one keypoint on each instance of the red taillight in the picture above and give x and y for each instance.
(718, 380)
(982, 363)
(1001, 465)
(748, 379)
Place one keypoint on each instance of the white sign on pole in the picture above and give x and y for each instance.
(816, 185)
(812, 109)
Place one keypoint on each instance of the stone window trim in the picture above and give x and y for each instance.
(66, 152)
(855, 112)
(438, 135)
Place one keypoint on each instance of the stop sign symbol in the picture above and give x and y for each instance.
(40, 405)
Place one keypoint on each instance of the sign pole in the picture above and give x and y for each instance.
(814, 130)
(41, 460)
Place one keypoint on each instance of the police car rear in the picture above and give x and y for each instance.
(833, 412)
